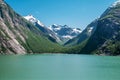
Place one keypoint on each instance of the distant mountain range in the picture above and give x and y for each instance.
(65, 32)
(58, 32)
(21, 35)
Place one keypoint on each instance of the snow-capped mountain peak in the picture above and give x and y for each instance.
(32, 19)
(115, 3)
(64, 31)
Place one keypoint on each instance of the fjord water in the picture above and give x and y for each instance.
(59, 67)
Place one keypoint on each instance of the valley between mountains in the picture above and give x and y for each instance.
(28, 35)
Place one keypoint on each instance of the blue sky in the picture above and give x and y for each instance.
(75, 13)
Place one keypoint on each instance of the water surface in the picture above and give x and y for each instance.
(59, 67)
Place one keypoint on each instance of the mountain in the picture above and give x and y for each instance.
(43, 28)
(65, 32)
(85, 34)
(106, 38)
(19, 36)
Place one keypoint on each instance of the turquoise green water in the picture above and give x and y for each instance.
(59, 67)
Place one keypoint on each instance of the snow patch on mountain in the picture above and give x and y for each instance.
(67, 37)
(115, 3)
(55, 27)
(32, 19)
(76, 30)
(90, 29)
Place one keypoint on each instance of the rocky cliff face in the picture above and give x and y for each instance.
(8, 42)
